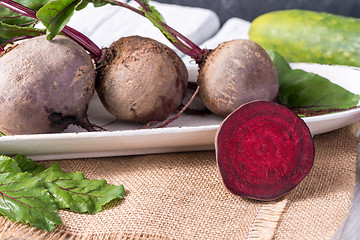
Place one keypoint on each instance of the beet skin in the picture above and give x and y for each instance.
(263, 150)
(236, 72)
(45, 86)
(142, 80)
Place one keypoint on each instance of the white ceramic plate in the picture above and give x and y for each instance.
(188, 133)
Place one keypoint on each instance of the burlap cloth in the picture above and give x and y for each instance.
(180, 196)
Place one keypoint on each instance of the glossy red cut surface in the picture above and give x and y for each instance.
(263, 150)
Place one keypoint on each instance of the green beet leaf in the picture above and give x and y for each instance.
(75, 192)
(56, 14)
(7, 164)
(14, 25)
(8, 31)
(28, 165)
(13, 18)
(96, 3)
(305, 90)
(31, 194)
(53, 14)
(156, 19)
(280, 63)
(25, 199)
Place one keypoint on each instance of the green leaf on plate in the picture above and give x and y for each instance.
(75, 192)
(306, 90)
(24, 198)
(56, 14)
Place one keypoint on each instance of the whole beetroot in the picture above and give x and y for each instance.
(45, 86)
(141, 80)
(234, 73)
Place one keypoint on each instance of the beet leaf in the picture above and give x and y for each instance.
(8, 164)
(24, 198)
(156, 19)
(56, 14)
(30, 193)
(15, 18)
(73, 191)
(306, 90)
(181, 42)
(96, 3)
(16, 24)
(8, 31)
(27, 165)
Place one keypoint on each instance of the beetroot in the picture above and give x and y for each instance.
(236, 72)
(45, 86)
(142, 80)
(263, 150)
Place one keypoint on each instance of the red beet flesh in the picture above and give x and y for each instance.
(263, 150)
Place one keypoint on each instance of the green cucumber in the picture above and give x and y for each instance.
(308, 36)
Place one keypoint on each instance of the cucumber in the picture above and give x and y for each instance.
(308, 36)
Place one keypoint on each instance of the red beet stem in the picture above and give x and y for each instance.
(170, 120)
(121, 4)
(182, 43)
(263, 150)
(78, 37)
(83, 41)
(17, 7)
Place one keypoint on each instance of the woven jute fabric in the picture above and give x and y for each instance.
(181, 196)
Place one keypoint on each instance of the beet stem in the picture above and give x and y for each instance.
(17, 7)
(88, 126)
(78, 37)
(83, 41)
(191, 44)
(148, 124)
(29, 23)
(167, 122)
(184, 50)
(143, 6)
(183, 44)
(170, 120)
(195, 50)
(121, 4)
(17, 39)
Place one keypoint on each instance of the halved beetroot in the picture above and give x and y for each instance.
(263, 150)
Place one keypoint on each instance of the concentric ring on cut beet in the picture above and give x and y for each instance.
(263, 150)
